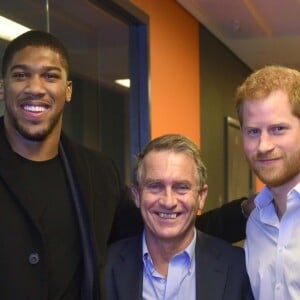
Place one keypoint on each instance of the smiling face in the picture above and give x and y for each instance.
(271, 135)
(35, 91)
(169, 197)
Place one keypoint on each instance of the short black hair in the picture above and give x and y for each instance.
(35, 38)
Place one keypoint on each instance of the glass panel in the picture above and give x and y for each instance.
(98, 45)
(31, 14)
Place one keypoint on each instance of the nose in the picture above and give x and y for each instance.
(35, 85)
(168, 199)
(266, 143)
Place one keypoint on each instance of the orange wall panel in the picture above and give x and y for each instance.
(259, 185)
(174, 69)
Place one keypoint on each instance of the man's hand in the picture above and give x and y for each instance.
(248, 205)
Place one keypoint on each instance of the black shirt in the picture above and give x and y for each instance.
(52, 207)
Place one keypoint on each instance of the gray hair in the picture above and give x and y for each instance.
(177, 143)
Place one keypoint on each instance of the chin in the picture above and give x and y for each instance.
(37, 136)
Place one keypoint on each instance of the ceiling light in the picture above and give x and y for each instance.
(10, 29)
(123, 82)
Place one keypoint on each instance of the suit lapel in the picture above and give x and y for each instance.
(211, 271)
(79, 168)
(130, 283)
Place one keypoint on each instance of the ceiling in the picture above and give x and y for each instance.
(259, 32)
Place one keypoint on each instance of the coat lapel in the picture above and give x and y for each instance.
(211, 271)
(130, 283)
(79, 168)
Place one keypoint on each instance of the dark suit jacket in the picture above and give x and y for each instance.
(220, 270)
(23, 260)
(226, 222)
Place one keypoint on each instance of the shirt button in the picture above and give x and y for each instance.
(33, 258)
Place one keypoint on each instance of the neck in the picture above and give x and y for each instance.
(280, 197)
(163, 250)
(34, 150)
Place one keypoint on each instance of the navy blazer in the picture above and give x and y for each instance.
(220, 270)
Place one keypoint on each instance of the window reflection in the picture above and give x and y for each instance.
(98, 47)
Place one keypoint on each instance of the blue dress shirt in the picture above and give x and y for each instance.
(181, 279)
(273, 246)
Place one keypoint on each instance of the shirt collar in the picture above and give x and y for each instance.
(295, 189)
(265, 197)
(189, 251)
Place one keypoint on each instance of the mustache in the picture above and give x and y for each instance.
(265, 156)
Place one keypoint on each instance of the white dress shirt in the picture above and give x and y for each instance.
(273, 248)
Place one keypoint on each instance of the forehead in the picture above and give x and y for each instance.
(166, 163)
(37, 56)
(274, 106)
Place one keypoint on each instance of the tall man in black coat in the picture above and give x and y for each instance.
(60, 203)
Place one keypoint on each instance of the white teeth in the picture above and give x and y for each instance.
(34, 108)
(167, 216)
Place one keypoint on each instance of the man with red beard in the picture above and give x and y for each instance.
(268, 107)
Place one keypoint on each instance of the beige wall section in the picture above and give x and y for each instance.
(174, 69)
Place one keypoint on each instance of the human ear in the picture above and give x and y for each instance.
(136, 194)
(69, 91)
(202, 196)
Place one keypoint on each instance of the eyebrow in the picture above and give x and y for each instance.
(26, 67)
(150, 180)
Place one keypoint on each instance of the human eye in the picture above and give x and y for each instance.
(19, 75)
(154, 187)
(252, 132)
(51, 76)
(181, 188)
(277, 130)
